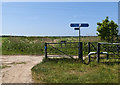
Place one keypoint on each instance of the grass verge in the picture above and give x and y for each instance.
(73, 71)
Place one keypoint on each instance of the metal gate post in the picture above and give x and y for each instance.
(88, 47)
(80, 53)
(45, 50)
(118, 49)
(98, 52)
(88, 51)
(81, 50)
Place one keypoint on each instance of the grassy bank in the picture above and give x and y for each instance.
(70, 71)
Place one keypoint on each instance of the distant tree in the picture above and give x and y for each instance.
(107, 30)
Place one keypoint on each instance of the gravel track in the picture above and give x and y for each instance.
(17, 69)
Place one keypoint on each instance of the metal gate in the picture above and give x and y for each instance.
(63, 49)
(111, 50)
(83, 49)
(67, 49)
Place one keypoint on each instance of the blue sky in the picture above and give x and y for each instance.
(54, 18)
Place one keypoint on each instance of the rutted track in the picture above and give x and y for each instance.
(17, 69)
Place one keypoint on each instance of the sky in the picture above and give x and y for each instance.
(119, 17)
(60, 0)
(54, 18)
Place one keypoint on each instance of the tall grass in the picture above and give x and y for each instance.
(20, 45)
(35, 45)
(73, 71)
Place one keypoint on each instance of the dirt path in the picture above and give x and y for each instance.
(17, 69)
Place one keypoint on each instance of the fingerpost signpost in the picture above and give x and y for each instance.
(78, 25)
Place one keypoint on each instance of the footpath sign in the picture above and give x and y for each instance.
(76, 28)
(79, 25)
